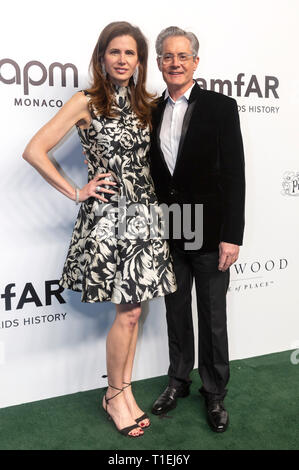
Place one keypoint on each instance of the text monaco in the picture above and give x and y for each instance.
(37, 103)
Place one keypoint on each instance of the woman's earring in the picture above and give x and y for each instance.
(103, 69)
(135, 76)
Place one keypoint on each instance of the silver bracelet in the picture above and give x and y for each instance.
(77, 196)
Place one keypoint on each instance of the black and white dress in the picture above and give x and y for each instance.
(114, 254)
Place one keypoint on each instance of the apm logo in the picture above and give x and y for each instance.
(24, 76)
(35, 74)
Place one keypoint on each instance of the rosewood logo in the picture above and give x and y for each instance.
(11, 73)
(255, 274)
(260, 266)
(290, 184)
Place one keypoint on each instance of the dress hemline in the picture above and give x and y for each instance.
(120, 303)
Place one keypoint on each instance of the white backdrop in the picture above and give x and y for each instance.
(50, 348)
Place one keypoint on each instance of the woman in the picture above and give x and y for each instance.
(112, 255)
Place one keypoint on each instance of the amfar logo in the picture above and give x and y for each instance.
(262, 89)
(30, 295)
(15, 299)
(290, 184)
(250, 87)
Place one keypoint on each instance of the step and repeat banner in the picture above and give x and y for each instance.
(51, 344)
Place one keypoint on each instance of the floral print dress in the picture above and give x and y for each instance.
(117, 252)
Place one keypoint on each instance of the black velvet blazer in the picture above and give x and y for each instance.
(209, 167)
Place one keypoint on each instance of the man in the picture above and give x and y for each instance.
(197, 158)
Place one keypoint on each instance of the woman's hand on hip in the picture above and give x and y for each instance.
(95, 186)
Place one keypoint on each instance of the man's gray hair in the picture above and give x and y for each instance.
(175, 31)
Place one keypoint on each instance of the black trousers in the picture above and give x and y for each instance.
(211, 288)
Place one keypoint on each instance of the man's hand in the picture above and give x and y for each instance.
(228, 255)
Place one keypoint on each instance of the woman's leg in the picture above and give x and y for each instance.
(118, 344)
(134, 408)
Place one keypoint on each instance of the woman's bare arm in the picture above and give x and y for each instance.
(36, 152)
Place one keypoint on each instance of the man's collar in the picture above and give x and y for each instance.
(186, 94)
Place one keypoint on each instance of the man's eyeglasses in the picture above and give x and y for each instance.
(168, 58)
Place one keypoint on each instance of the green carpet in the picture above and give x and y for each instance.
(262, 403)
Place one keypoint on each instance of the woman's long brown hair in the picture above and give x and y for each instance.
(101, 90)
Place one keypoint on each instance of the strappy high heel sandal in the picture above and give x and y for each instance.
(142, 417)
(125, 431)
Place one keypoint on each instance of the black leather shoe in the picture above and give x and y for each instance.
(217, 415)
(167, 400)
